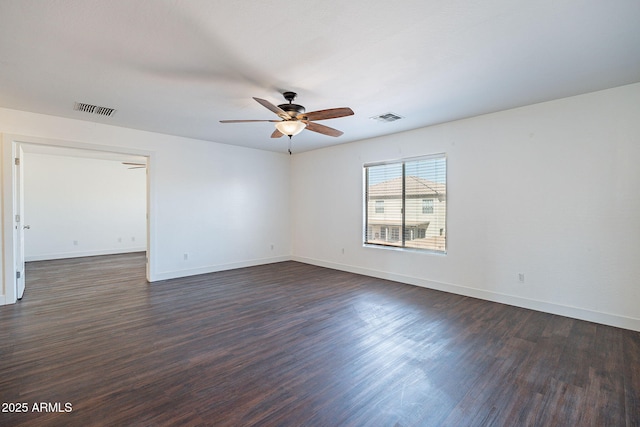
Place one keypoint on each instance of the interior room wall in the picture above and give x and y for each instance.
(213, 206)
(82, 207)
(548, 190)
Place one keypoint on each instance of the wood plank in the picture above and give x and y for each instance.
(294, 344)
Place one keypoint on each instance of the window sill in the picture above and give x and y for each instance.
(401, 249)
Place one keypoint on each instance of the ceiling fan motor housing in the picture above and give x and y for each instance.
(292, 109)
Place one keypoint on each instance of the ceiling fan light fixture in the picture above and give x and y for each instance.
(290, 127)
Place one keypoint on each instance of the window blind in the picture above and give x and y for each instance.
(406, 203)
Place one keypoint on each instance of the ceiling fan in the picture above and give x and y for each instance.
(294, 119)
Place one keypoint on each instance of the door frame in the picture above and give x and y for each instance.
(11, 145)
(18, 218)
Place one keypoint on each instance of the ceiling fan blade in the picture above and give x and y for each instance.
(331, 113)
(279, 111)
(276, 134)
(325, 130)
(247, 121)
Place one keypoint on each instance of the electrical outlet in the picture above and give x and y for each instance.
(521, 277)
(272, 246)
(186, 257)
(75, 243)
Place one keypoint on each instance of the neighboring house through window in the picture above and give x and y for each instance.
(406, 203)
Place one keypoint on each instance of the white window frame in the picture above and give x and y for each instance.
(369, 228)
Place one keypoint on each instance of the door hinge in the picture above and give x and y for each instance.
(17, 161)
(17, 274)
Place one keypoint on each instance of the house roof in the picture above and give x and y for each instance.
(414, 187)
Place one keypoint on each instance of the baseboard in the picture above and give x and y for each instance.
(80, 254)
(167, 275)
(543, 306)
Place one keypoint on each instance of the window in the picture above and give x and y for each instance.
(395, 233)
(383, 233)
(427, 206)
(406, 203)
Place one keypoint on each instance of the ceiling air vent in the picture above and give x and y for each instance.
(388, 117)
(94, 109)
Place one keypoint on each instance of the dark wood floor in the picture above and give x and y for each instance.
(290, 344)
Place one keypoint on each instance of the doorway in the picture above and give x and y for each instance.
(14, 226)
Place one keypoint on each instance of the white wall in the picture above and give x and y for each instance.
(82, 207)
(549, 190)
(564, 172)
(223, 206)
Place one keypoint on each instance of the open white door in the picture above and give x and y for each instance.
(20, 226)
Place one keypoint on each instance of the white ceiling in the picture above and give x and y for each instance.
(178, 67)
